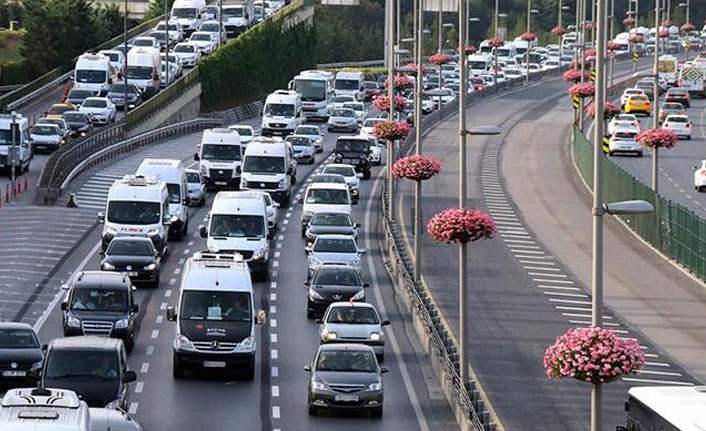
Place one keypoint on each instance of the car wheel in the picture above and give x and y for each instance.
(303, 232)
(249, 373)
(366, 174)
(155, 283)
(177, 370)
(376, 413)
(313, 411)
(130, 343)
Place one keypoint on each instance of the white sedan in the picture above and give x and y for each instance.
(624, 143)
(314, 133)
(207, 42)
(630, 92)
(624, 123)
(369, 125)
(700, 177)
(99, 109)
(189, 53)
(678, 124)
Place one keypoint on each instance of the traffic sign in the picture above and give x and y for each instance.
(606, 146)
(635, 56)
(576, 102)
(593, 75)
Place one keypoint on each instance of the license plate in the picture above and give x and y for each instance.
(132, 274)
(347, 398)
(221, 183)
(214, 364)
(14, 373)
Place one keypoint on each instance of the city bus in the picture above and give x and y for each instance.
(666, 408)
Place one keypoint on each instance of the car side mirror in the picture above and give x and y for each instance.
(101, 217)
(307, 367)
(203, 232)
(384, 370)
(366, 284)
(300, 200)
(171, 314)
(45, 347)
(196, 157)
(358, 225)
(385, 323)
(129, 376)
(290, 170)
(64, 306)
(260, 317)
(270, 236)
(135, 308)
(359, 174)
(362, 251)
(307, 250)
(275, 204)
(307, 283)
(238, 169)
(166, 221)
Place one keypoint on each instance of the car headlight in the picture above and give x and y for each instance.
(108, 266)
(183, 343)
(151, 267)
(36, 366)
(315, 295)
(318, 386)
(359, 296)
(260, 253)
(355, 262)
(204, 170)
(330, 335)
(109, 231)
(73, 322)
(121, 324)
(248, 343)
(314, 262)
(153, 232)
(375, 386)
(375, 336)
(281, 183)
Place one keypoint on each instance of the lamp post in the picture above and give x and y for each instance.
(655, 110)
(166, 43)
(610, 38)
(530, 11)
(688, 45)
(497, 17)
(12, 154)
(391, 94)
(125, 101)
(441, 20)
(495, 55)
(418, 89)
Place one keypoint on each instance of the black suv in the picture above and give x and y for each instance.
(93, 367)
(100, 303)
(355, 151)
(332, 283)
(20, 355)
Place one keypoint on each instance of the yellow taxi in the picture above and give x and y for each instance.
(638, 103)
(56, 110)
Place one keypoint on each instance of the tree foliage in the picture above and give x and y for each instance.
(156, 8)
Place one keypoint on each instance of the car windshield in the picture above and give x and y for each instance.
(134, 212)
(90, 76)
(372, 123)
(75, 117)
(18, 339)
(672, 106)
(348, 113)
(353, 316)
(130, 247)
(337, 245)
(347, 84)
(237, 226)
(113, 56)
(327, 219)
(677, 119)
(211, 28)
(184, 13)
(139, 72)
(44, 130)
(80, 94)
(94, 103)
(307, 130)
(91, 364)
(120, 89)
(58, 110)
(233, 13)
(299, 141)
(222, 306)
(324, 178)
(189, 49)
(264, 165)
(158, 36)
(243, 131)
(337, 277)
(343, 99)
(201, 36)
(351, 146)
(624, 118)
(346, 171)
(220, 152)
(193, 177)
(327, 197)
(143, 42)
(279, 110)
(354, 106)
(677, 91)
(346, 361)
(87, 299)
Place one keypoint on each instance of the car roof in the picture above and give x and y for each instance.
(86, 342)
(349, 347)
(354, 304)
(15, 325)
(333, 236)
(338, 165)
(327, 186)
(101, 279)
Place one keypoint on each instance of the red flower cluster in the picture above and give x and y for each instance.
(664, 33)
(391, 130)
(612, 46)
(588, 25)
(401, 82)
(574, 75)
(657, 138)
(440, 59)
(636, 38)
(667, 23)
(416, 167)
(461, 225)
(586, 89)
(629, 21)
(687, 27)
(593, 355)
(469, 49)
(496, 42)
(559, 30)
(382, 103)
(528, 36)
(610, 110)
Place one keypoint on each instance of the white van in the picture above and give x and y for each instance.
(350, 83)
(215, 318)
(143, 68)
(219, 157)
(282, 113)
(506, 51)
(324, 197)
(479, 63)
(316, 90)
(238, 16)
(268, 166)
(668, 68)
(94, 72)
(172, 173)
(238, 224)
(40, 409)
(188, 14)
(23, 146)
(137, 206)
(117, 59)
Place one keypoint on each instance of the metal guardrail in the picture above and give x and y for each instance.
(8, 88)
(239, 113)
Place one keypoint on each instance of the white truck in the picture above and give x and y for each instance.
(172, 172)
(188, 14)
(267, 166)
(238, 16)
(693, 79)
(668, 68)
(350, 83)
(14, 129)
(143, 69)
(282, 113)
(219, 157)
(316, 90)
(94, 72)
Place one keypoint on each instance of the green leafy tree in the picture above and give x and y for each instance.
(156, 9)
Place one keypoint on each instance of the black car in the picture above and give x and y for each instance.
(93, 367)
(100, 303)
(346, 377)
(332, 283)
(79, 123)
(117, 95)
(78, 95)
(330, 223)
(134, 256)
(355, 151)
(20, 355)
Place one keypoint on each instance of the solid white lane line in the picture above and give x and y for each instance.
(658, 382)
(660, 373)
(540, 268)
(544, 286)
(569, 301)
(535, 262)
(544, 280)
(544, 274)
(570, 295)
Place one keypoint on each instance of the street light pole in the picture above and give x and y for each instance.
(497, 12)
(463, 297)
(441, 7)
(13, 152)
(391, 95)
(166, 44)
(655, 110)
(418, 89)
(125, 101)
(529, 19)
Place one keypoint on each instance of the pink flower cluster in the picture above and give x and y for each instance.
(629, 21)
(636, 38)
(657, 138)
(416, 167)
(496, 42)
(469, 49)
(610, 110)
(593, 355)
(687, 27)
(612, 46)
(461, 225)
(440, 59)
(588, 25)
(590, 53)
(667, 23)
(382, 103)
(559, 30)
(574, 75)
(391, 130)
(664, 33)
(528, 36)
(586, 89)
(402, 83)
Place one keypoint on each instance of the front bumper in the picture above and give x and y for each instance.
(377, 346)
(233, 182)
(138, 276)
(330, 399)
(348, 126)
(121, 333)
(269, 131)
(45, 146)
(233, 361)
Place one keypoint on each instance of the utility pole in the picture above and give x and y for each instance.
(166, 44)
(441, 8)
(418, 89)
(391, 95)
(497, 11)
(125, 101)
(655, 107)
(529, 23)
(13, 152)
(464, 297)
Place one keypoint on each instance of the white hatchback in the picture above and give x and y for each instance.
(679, 124)
(700, 177)
(624, 123)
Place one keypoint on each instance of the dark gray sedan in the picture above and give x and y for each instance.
(330, 223)
(346, 377)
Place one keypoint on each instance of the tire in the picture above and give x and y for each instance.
(130, 343)
(376, 413)
(155, 283)
(249, 374)
(313, 411)
(294, 178)
(185, 231)
(303, 232)
(310, 314)
(366, 174)
(177, 371)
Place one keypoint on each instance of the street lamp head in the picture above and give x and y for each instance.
(502, 15)
(426, 31)
(534, 11)
(571, 27)
(447, 25)
(484, 130)
(565, 8)
(407, 40)
(683, 5)
(628, 207)
(474, 19)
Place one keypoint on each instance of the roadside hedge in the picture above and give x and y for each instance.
(15, 72)
(257, 62)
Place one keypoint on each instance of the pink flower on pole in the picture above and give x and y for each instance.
(629, 21)
(528, 36)
(667, 23)
(657, 138)
(588, 25)
(559, 30)
(496, 42)
(586, 89)
(636, 38)
(664, 33)
(612, 46)
(610, 110)
(461, 225)
(687, 27)
(391, 130)
(574, 75)
(439, 59)
(593, 355)
(416, 167)
(590, 54)
(401, 82)
(382, 103)
(469, 49)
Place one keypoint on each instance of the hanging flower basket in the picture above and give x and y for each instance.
(667, 23)
(636, 38)
(629, 21)
(657, 138)
(593, 355)
(582, 90)
(687, 27)
(574, 75)
(559, 30)
(588, 25)
(382, 103)
(391, 130)
(590, 54)
(664, 33)
(610, 110)
(440, 59)
(469, 49)
(416, 167)
(612, 46)
(401, 82)
(528, 36)
(496, 42)
(461, 225)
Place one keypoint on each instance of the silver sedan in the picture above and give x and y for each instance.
(340, 249)
(353, 322)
